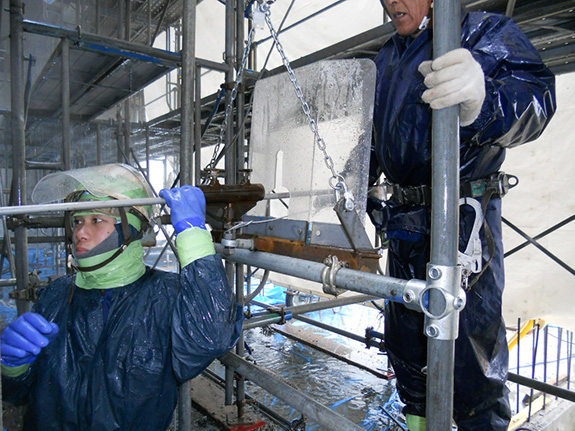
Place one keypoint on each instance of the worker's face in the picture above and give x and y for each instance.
(90, 230)
(408, 14)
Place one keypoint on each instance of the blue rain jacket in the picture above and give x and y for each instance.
(121, 353)
(520, 101)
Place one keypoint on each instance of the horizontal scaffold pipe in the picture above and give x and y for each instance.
(543, 387)
(303, 403)
(350, 279)
(77, 206)
(117, 47)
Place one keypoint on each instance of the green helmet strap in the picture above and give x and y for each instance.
(127, 241)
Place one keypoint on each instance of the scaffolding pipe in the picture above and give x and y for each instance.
(240, 349)
(98, 144)
(187, 96)
(18, 125)
(186, 141)
(230, 153)
(241, 98)
(313, 410)
(444, 227)
(65, 55)
(324, 305)
(350, 279)
(108, 45)
(198, 126)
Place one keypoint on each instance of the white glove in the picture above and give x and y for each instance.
(453, 79)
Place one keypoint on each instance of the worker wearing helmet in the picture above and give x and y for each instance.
(105, 348)
(506, 97)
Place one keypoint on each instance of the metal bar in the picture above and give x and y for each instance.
(105, 44)
(18, 126)
(71, 206)
(543, 387)
(186, 140)
(240, 98)
(533, 365)
(569, 358)
(358, 281)
(213, 195)
(541, 235)
(444, 222)
(559, 339)
(161, 21)
(545, 354)
(321, 305)
(510, 8)
(7, 282)
(518, 356)
(240, 349)
(278, 314)
(46, 239)
(304, 404)
(198, 126)
(376, 36)
(147, 138)
(127, 130)
(301, 21)
(230, 153)
(187, 95)
(336, 330)
(65, 65)
(98, 144)
(539, 246)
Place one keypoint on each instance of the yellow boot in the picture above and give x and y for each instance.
(416, 423)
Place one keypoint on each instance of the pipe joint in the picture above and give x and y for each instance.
(439, 304)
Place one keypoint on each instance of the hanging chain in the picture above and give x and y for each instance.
(229, 108)
(335, 176)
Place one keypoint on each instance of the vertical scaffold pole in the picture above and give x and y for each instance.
(18, 144)
(187, 96)
(230, 150)
(186, 163)
(444, 227)
(65, 57)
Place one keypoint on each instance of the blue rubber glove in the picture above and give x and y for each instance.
(188, 205)
(23, 339)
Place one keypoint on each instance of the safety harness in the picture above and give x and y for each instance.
(493, 186)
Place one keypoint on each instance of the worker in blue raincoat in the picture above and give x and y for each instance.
(506, 97)
(106, 348)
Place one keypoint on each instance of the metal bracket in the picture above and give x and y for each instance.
(413, 294)
(31, 292)
(333, 265)
(352, 226)
(442, 322)
(229, 243)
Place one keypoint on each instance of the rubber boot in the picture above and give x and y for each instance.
(416, 423)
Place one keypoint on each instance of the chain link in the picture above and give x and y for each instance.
(229, 108)
(341, 184)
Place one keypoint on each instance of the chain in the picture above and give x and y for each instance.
(229, 108)
(335, 176)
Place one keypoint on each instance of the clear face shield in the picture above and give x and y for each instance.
(101, 183)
